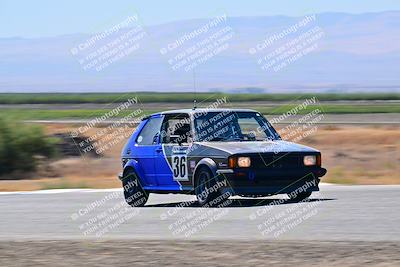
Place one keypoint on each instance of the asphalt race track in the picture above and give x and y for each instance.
(344, 225)
(368, 213)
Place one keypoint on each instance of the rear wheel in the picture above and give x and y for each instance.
(299, 196)
(134, 194)
(206, 190)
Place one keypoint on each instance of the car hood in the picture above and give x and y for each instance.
(259, 147)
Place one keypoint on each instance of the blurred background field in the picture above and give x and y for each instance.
(52, 112)
(174, 97)
(53, 106)
(40, 154)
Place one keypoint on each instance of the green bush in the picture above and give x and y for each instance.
(20, 144)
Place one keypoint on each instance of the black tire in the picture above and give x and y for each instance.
(300, 196)
(134, 194)
(205, 180)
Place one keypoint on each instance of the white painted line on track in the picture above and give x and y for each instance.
(327, 186)
(60, 191)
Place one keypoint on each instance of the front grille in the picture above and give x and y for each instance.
(277, 161)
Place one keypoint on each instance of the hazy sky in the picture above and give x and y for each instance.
(50, 17)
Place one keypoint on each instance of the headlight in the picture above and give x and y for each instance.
(243, 162)
(310, 160)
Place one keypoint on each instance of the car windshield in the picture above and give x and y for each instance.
(233, 126)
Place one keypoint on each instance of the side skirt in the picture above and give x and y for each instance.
(169, 189)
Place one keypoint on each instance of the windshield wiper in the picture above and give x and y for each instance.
(229, 138)
(238, 138)
(217, 138)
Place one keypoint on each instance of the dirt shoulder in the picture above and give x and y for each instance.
(197, 253)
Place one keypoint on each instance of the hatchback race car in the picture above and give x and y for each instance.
(214, 154)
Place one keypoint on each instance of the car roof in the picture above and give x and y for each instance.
(201, 110)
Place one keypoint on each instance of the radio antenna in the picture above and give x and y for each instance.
(195, 91)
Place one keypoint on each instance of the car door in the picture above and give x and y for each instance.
(172, 162)
(145, 151)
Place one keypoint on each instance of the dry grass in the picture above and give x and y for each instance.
(352, 155)
(359, 155)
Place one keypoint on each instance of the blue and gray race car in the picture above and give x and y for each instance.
(214, 154)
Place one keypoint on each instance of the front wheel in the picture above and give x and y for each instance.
(207, 190)
(299, 196)
(134, 194)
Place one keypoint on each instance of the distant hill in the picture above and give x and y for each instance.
(356, 53)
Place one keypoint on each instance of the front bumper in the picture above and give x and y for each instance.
(270, 182)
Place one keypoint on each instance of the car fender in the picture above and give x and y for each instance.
(206, 162)
(132, 163)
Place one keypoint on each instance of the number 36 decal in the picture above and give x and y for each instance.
(179, 167)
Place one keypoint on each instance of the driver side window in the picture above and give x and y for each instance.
(149, 131)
